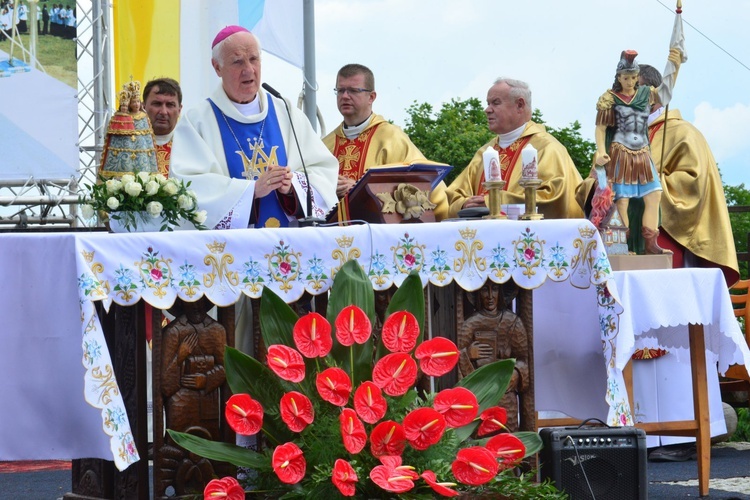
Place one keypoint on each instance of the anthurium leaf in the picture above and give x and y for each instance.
(408, 297)
(224, 452)
(488, 384)
(277, 321)
(351, 286)
(247, 375)
(531, 440)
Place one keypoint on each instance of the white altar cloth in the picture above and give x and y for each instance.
(656, 307)
(46, 384)
(44, 379)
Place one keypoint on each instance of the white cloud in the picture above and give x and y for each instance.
(725, 130)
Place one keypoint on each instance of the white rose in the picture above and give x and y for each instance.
(192, 194)
(133, 188)
(185, 202)
(113, 186)
(160, 179)
(144, 177)
(171, 188)
(127, 178)
(154, 208)
(152, 187)
(113, 203)
(87, 211)
(200, 216)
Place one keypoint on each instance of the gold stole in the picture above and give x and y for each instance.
(508, 159)
(351, 153)
(163, 155)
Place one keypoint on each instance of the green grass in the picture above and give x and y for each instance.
(743, 425)
(57, 56)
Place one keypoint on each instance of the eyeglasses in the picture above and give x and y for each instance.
(350, 91)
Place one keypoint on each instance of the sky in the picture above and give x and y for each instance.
(437, 50)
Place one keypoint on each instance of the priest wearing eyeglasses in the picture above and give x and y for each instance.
(239, 150)
(365, 139)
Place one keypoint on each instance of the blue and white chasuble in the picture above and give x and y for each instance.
(264, 144)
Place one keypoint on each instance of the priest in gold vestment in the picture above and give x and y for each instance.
(509, 115)
(693, 207)
(365, 139)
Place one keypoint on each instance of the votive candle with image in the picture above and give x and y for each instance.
(492, 171)
(529, 170)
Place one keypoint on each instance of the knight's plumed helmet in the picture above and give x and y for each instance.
(627, 62)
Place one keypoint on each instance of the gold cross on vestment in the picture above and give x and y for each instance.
(351, 154)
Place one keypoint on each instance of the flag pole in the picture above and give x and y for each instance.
(310, 87)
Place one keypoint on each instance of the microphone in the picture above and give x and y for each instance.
(308, 220)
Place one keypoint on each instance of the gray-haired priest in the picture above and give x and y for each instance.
(238, 148)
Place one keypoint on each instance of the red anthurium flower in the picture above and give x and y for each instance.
(392, 476)
(395, 373)
(334, 386)
(400, 332)
(369, 402)
(286, 362)
(352, 325)
(443, 489)
(475, 466)
(344, 477)
(387, 438)
(244, 414)
(459, 406)
(437, 356)
(228, 488)
(423, 427)
(296, 411)
(312, 335)
(493, 420)
(507, 448)
(289, 463)
(352, 431)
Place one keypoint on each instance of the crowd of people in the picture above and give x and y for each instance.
(239, 149)
(57, 20)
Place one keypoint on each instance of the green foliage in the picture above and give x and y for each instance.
(351, 286)
(581, 150)
(739, 196)
(321, 441)
(453, 135)
(742, 434)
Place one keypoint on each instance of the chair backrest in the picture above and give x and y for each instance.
(741, 303)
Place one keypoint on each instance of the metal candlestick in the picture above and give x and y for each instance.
(494, 191)
(530, 186)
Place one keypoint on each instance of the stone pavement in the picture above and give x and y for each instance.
(730, 477)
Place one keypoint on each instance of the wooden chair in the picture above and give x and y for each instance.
(738, 379)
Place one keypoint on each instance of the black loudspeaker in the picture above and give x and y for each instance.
(608, 461)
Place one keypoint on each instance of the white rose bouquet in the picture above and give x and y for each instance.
(142, 196)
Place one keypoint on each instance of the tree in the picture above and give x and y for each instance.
(739, 196)
(455, 133)
(450, 136)
(581, 150)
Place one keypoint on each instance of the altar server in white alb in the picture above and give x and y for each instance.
(238, 148)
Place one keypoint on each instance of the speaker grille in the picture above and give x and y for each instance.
(614, 462)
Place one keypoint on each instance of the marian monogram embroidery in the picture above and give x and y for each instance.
(260, 160)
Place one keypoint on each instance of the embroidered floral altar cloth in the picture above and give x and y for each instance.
(222, 265)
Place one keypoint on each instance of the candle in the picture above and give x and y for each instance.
(492, 170)
(529, 171)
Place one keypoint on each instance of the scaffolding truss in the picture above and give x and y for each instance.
(40, 203)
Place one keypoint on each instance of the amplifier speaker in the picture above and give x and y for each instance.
(608, 461)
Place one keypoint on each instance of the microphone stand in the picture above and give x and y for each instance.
(309, 219)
